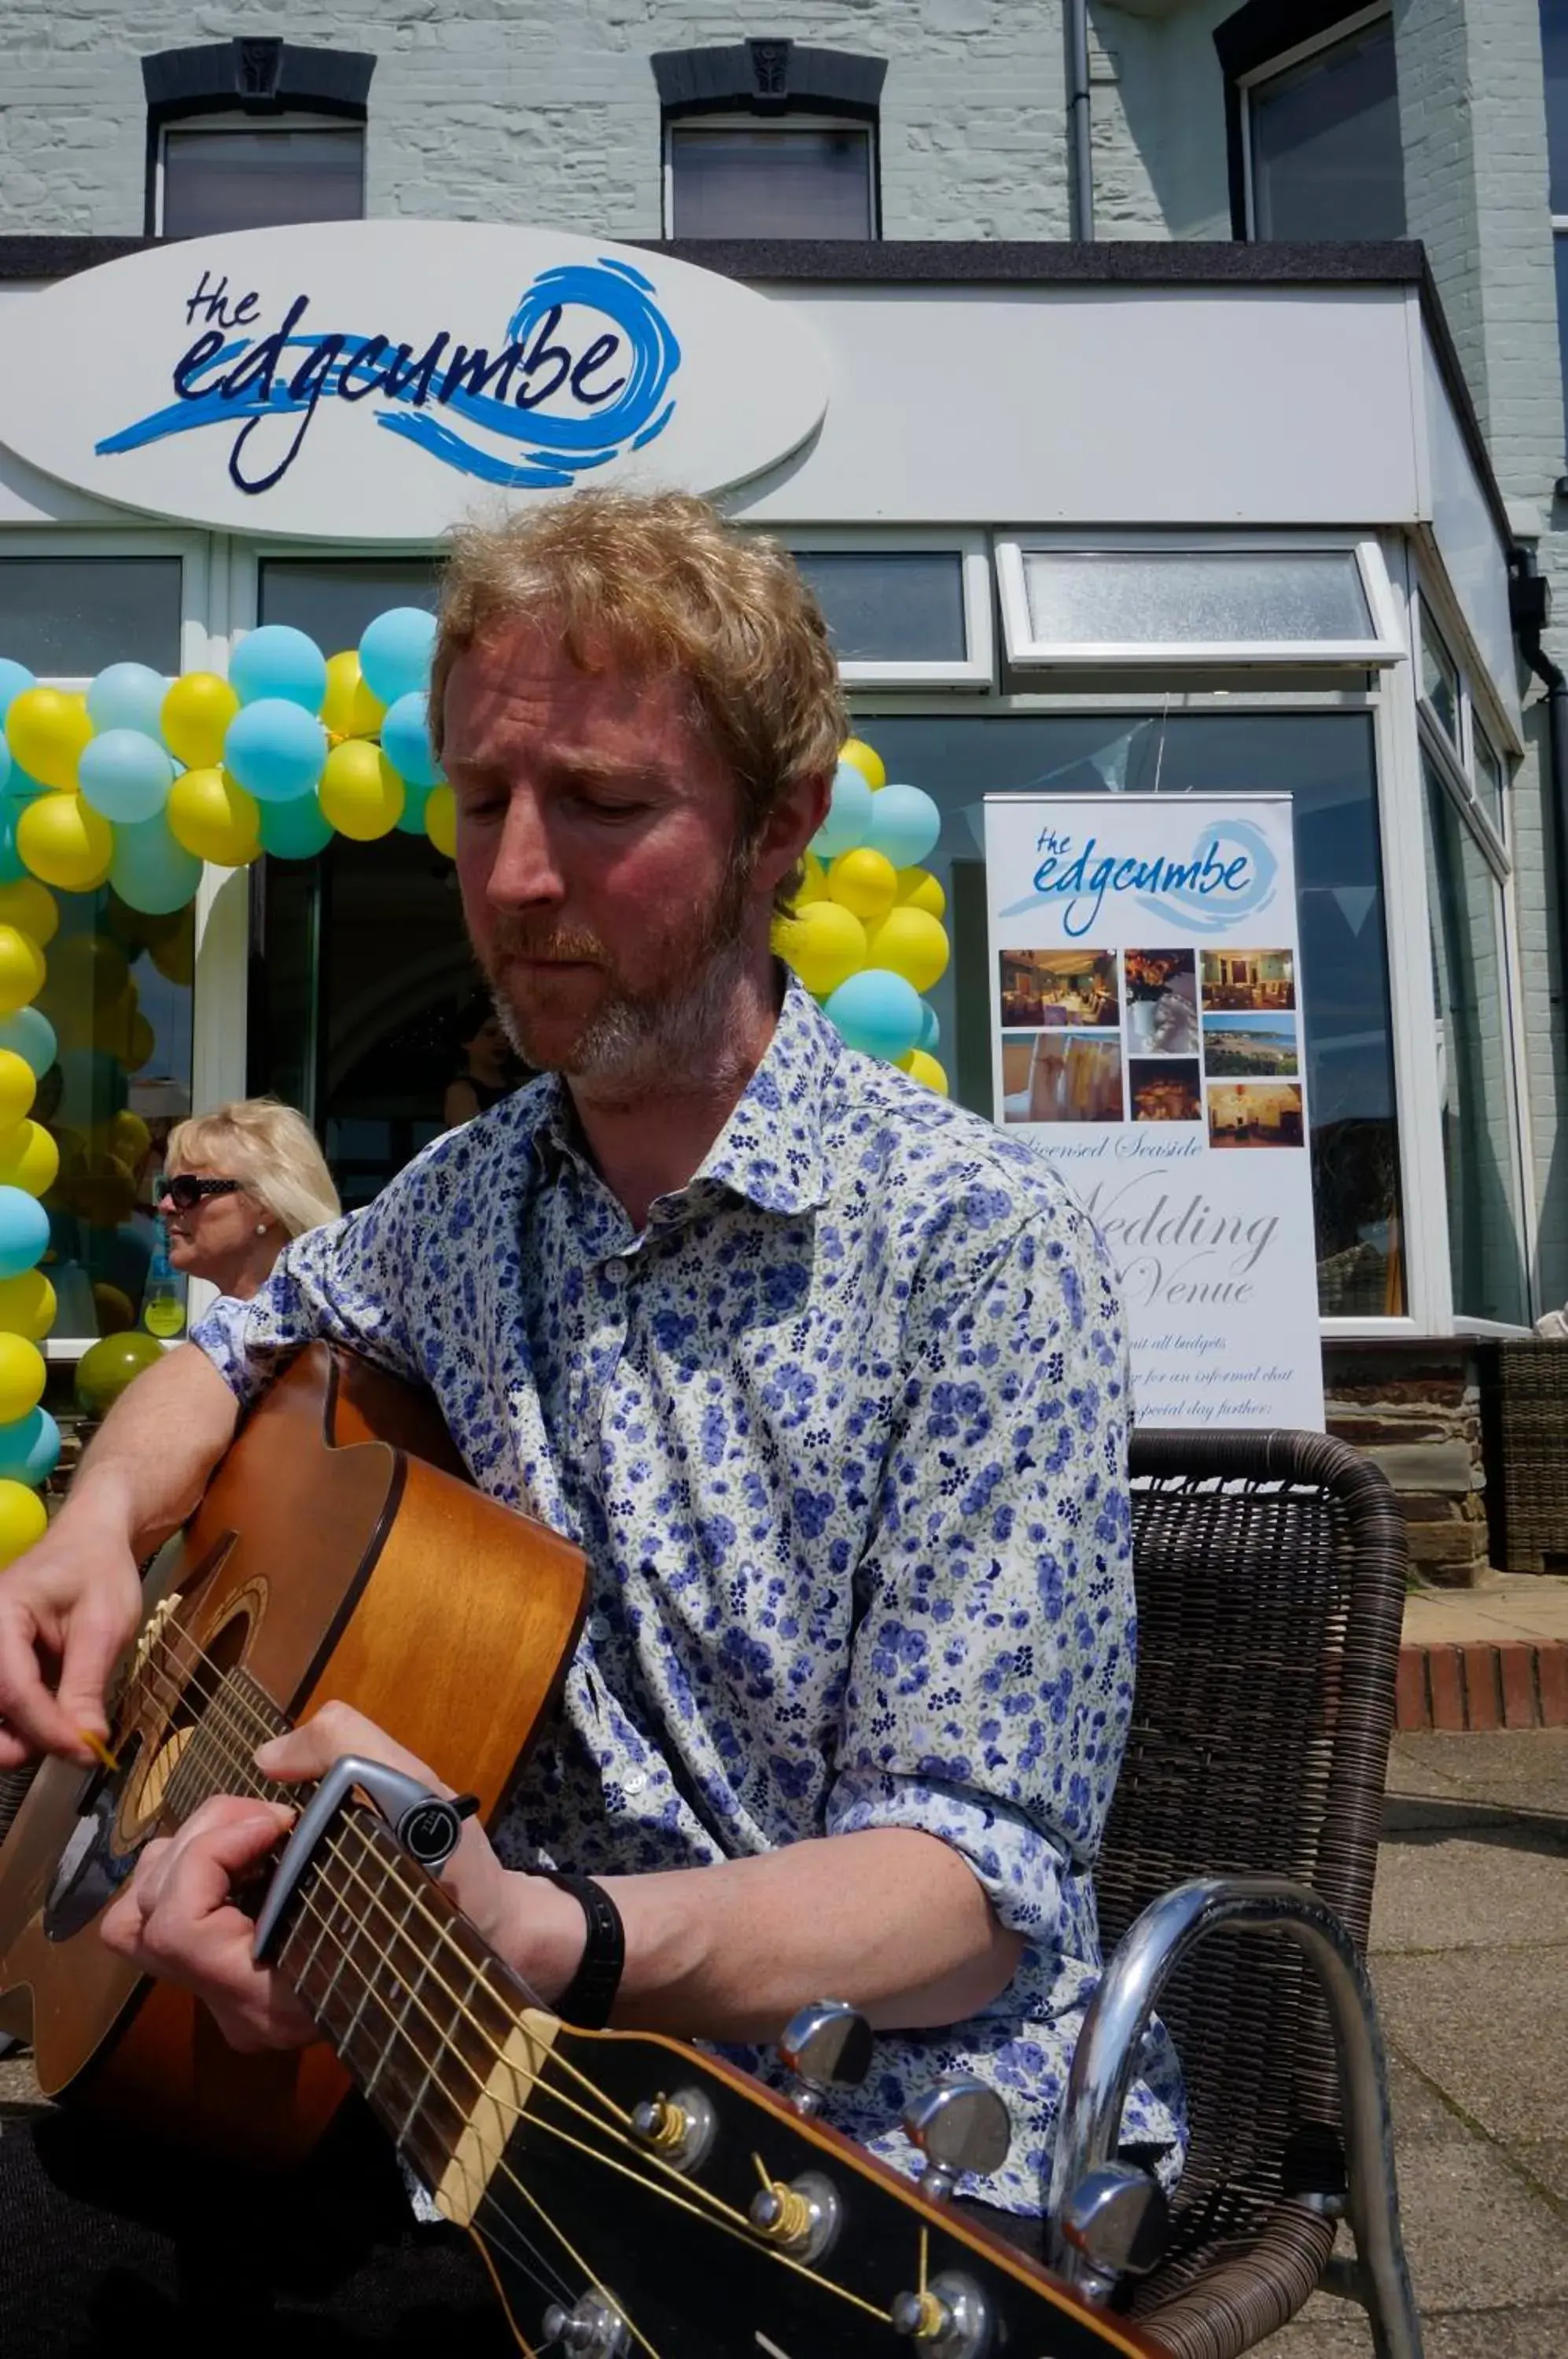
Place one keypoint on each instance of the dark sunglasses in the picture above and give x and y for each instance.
(184, 1191)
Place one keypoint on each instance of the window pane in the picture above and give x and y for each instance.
(1160, 598)
(1491, 778)
(1554, 58)
(770, 183)
(118, 994)
(905, 606)
(255, 180)
(334, 602)
(65, 617)
(1326, 159)
(1324, 761)
(1560, 256)
(1473, 1027)
(1440, 679)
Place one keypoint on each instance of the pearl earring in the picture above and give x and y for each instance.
(261, 1228)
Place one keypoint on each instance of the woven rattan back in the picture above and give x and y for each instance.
(1271, 1573)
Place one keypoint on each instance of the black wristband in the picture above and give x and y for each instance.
(590, 1994)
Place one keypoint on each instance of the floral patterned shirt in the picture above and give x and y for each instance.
(843, 1435)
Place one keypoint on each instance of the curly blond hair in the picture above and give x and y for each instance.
(269, 1147)
(659, 582)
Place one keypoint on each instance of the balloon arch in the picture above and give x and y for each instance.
(140, 781)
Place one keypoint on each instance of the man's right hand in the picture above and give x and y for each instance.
(68, 1609)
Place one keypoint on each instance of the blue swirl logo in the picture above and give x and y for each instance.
(582, 378)
(1229, 876)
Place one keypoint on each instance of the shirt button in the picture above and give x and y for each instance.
(616, 1273)
(635, 1780)
(598, 1628)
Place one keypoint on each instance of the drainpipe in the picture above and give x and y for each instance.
(1081, 168)
(1529, 610)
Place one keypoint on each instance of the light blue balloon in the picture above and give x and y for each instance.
(849, 814)
(411, 818)
(405, 741)
(278, 660)
(904, 825)
(128, 696)
(30, 1035)
(294, 830)
(13, 867)
(394, 653)
(150, 871)
(124, 776)
(275, 749)
(930, 1030)
(14, 678)
(24, 1230)
(30, 1450)
(876, 1012)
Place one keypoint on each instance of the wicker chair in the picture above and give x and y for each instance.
(1270, 1572)
(1524, 1400)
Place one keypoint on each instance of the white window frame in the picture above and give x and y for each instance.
(228, 119)
(794, 118)
(1255, 76)
(977, 669)
(1384, 648)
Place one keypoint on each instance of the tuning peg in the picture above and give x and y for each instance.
(951, 2320)
(826, 2045)
(593, 2327)
(682, 2129)
(1118, 2222)
(960, 2125)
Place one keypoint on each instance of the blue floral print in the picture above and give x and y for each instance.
(843, 1435)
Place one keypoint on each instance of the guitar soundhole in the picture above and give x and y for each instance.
(179, 1711)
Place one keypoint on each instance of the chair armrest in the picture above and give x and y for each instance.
(1118, 2015)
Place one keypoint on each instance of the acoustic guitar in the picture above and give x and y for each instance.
(633, 2197)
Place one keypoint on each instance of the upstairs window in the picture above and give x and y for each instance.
(1314, 127)
(768, 138)
(252, 135)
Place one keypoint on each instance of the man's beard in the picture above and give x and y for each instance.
(666, 1036)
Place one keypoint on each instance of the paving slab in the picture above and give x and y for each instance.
(1524, 1767)
(1476, 1888)
(1489, 2028)
(1546, 2161)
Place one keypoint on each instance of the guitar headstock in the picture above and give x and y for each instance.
(639, 2197)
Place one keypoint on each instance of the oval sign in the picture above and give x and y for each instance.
(375, 380)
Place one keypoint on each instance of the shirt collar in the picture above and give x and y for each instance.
(771, 1150)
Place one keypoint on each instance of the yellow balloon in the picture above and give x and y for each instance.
(211, 815)
(22, 1374)
(24, 1520)
(46, 731)
(33, 911)
(824, 942)
(92, 969)
(815, 885)
(440, 818)
(913, 944)
(124, 1134)
(29, 1159)
(21, 969)
(360, 792)
(27, 1304)
(140, 1042)
(918, 889)
(100, 1190)
(348, 709)
(864, 881)
(116, 1311)
(195, 718)
(921, 1066)
(64, 840)
(860, 756)
(18, 1083)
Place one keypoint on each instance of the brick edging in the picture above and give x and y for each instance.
(1483, 1685)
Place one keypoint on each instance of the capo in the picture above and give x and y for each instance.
(428, 1826)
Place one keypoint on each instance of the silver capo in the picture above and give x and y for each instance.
(427, 1826)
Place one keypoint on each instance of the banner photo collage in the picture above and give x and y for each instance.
(1146, 1041)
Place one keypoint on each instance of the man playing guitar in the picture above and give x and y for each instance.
(825, 1375)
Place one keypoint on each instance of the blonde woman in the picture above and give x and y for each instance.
(237, 1184)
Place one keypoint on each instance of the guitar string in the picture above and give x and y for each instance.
(718, 2214)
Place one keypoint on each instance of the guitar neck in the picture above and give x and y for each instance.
(417, 2007)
